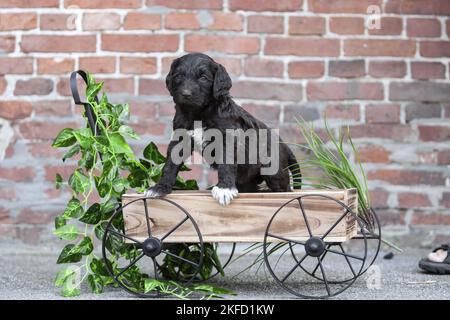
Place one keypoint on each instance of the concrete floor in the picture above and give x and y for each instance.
(28, 273)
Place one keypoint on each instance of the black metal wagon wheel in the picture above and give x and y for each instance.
(301, 268)
(143, 254)
(372, 229)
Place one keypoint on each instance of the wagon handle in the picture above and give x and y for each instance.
(76, 98)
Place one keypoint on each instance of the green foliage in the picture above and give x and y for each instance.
(107, 178)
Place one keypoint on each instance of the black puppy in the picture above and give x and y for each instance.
(200, 89)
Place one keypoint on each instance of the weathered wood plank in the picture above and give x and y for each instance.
(245, 219)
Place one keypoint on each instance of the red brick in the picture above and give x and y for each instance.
(428, 7)
(53, 43)
(423, 28)
(265, 24)
(16, 65)
(55, 65)
(144, 109)
(346, 69)
(435, 49)
(33, 86)
(422, 111)
(307, 25)
(5, 216)
(387, 69)
(306, 69)
(140, 42)
(434, 133)
(427, 70)
(412, 200)
(18, 21)
(294, 112)
(226, 44)
(379, 198)
(100, 4)
(142, 21)
(347, 25)
(267, 91)
(146, 127)
(44, 130)
(31, 235)
(101, 21)
(419, 91)
(389, 26)
(13, 110)
(341, 6)
(226, 21)
(421, 218)
(7, 193)
(395, 132)
(232, 65)
(17, 174)
(137, 65)
(63, 86)
(443, 157)
(445, 202)
(118, 85)
(32, 216)
(98, 64)
(186, 4)
(373, 154)
(64, 170)
(58, 21)
(383, 113)
(52, 107)
(302, 47)
(342, 111)
(166, 109)
(152, 87)
(344, 91)
(446, 109)
(7, 43)
(29, 4)
(267, 113)
(196, 172)
(392, 48)
(426, 157)
(258, 67)
(391, 217)
(268, 5)
(42, 149)
(185, 20)
(407, 177)
(3, 85)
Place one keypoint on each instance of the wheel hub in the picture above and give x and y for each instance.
(152, 247)
(314, 246)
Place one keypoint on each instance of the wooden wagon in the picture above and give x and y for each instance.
(305, 225)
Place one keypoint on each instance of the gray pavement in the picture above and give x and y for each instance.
(28, 273)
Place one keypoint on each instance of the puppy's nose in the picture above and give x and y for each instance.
(186, 93)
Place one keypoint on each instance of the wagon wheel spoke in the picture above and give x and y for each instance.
(348, 261)
(345, 254)
(122, 235)
(174, 228)
(336, 223)
(285, 239)
(155, 270)
(149, 231)
(304, 217)
(295, 267)
(130, 265)
(181, 258)
(324, 276)
(321, 259)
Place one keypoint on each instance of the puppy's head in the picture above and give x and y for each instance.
(195, 80)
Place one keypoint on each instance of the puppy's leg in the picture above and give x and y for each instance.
(168, 176)
(225, 190)
(278, 182)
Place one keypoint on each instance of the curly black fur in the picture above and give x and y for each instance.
(200, 89)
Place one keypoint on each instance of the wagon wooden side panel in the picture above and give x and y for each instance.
(245, 219)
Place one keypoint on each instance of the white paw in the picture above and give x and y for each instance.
(150, 193)
(224, 195)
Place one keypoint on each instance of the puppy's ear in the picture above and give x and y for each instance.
(222, 83)
(169, 76)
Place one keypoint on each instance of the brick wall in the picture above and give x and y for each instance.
(286, 57)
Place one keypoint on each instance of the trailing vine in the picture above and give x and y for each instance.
(107, 168)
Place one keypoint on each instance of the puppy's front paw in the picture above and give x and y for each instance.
(158, 191)
(224, 195)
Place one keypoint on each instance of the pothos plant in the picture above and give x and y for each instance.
(106, 169)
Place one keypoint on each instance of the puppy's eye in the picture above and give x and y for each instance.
(203, 77)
